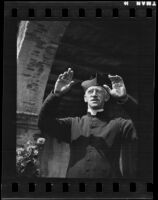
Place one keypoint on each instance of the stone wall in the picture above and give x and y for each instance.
(26, 127)
(37, 44)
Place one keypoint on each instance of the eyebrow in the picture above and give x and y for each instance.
(98, 89)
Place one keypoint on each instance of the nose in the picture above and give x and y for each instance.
(94, 93)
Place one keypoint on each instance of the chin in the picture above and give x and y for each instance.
(96, 106)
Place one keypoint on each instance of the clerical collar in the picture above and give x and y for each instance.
(94, 112)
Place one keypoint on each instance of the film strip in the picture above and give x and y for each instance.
(78, 189)
(83, 11)
(82, 187)
(30, 23)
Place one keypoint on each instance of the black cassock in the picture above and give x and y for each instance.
(99, 147)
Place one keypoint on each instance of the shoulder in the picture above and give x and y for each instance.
(127, 128)
(124, 121)
(121, 121)
(75, 119)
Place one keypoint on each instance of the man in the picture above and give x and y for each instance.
(100, 147)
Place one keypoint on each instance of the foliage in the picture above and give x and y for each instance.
(27, 158)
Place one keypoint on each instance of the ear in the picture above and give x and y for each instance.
(85, 98)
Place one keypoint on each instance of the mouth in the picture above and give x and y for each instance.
(94, 100)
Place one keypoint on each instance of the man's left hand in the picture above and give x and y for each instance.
(118, 90)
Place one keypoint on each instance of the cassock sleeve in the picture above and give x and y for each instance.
(129, 105)
(49, 124)
(128, 155)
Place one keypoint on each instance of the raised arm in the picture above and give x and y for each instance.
(47, 121)
(119, 93)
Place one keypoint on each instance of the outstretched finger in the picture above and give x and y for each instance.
(115, 78)
(69, 70)
(65, 75)
(71, 83)
(107, 88)
(60, 76)
(71, 74)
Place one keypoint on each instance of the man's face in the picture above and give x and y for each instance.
(96, 96)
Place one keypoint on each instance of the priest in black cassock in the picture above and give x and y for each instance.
(100, 146)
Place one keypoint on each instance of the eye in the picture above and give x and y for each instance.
(90, 91)
(99, 91)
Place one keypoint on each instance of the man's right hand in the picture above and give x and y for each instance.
(64, 82)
